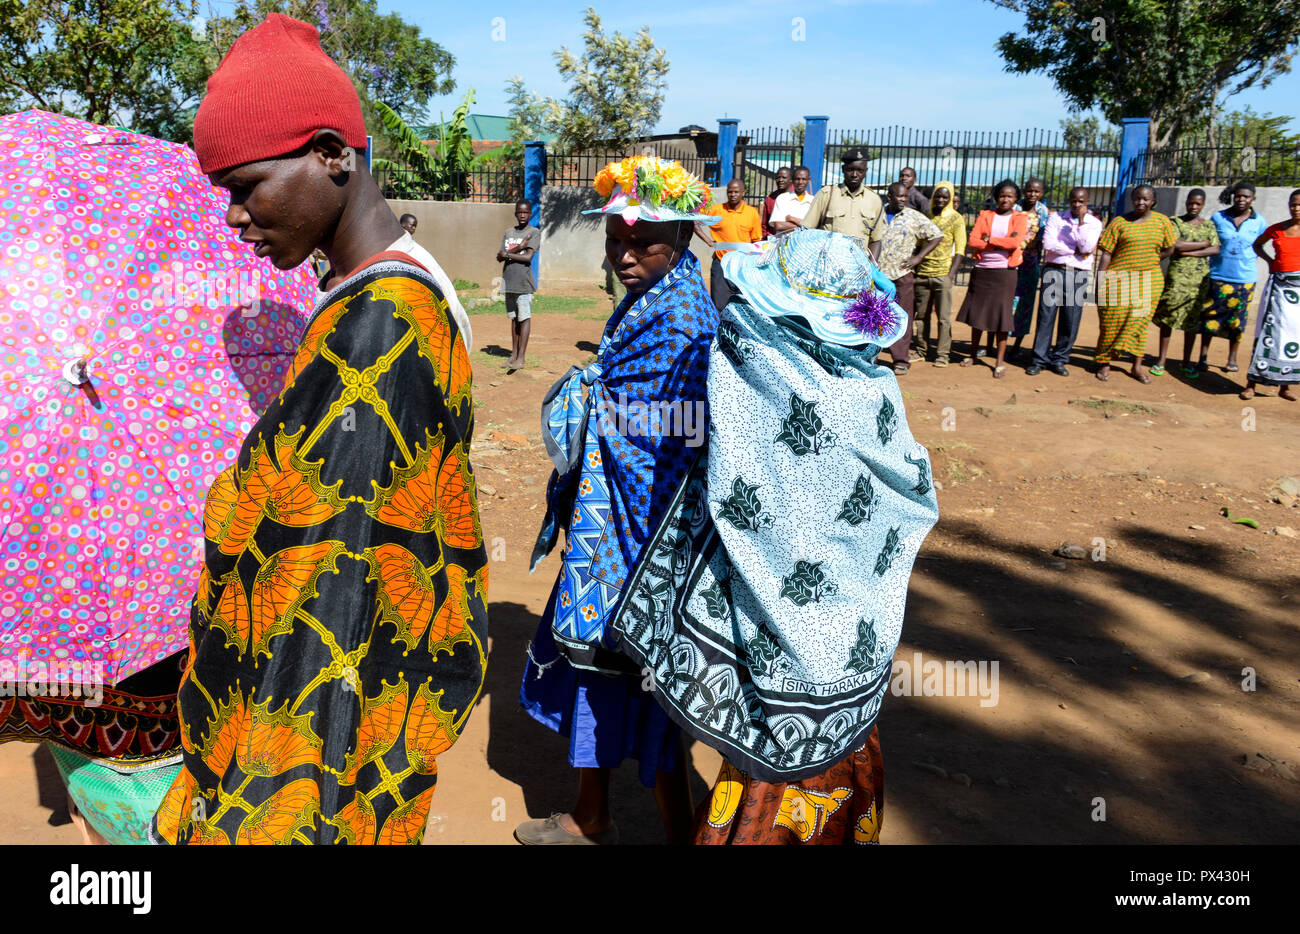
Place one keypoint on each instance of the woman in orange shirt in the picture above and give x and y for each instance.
(996, 241)
(1276, 359)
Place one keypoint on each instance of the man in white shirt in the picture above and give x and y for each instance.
(1069, 241)
(790, 207)
(406, 244)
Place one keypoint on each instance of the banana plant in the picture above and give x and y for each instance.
(415, 172)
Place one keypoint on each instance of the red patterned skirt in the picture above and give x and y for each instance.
(841, 806)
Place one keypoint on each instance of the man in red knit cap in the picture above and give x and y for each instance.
(338, 631)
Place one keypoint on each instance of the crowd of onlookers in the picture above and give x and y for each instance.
(1034, 269)
(1032, 272)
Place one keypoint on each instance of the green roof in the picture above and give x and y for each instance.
(488, 127)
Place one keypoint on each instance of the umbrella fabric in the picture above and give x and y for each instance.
(116, 267)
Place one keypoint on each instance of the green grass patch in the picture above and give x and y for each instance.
(958, 470)
(1110, 405)
(585, 309)
(462, 284)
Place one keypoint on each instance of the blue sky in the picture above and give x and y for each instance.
(738, 58)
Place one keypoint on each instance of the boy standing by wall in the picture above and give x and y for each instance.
(518, 246)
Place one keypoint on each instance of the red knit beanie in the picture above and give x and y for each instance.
(270, 95)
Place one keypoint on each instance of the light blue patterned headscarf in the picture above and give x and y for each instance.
(815, 276)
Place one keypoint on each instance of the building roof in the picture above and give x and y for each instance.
(488, 127)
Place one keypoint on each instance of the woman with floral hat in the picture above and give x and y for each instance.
(620, 455)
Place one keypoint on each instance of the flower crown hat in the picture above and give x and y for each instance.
(828, 280)
(647, 188)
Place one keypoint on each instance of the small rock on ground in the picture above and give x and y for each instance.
(1268, 765)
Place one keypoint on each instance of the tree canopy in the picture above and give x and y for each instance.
(132, 63)
(387, 59)
(1089, 133)
(1174, 61)
(616, 91)
(144, 63)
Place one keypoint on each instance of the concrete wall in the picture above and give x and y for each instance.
(573, 243)
(463, 236)
(1270, 203)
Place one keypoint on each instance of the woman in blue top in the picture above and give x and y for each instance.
(1231, 283)
(620, 456)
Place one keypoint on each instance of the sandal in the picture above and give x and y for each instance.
(1191, 372)
(1102, 376)
(1231, 368)
(1246, 394)
(999, 372)
(901, 368)
(1156, 370)
(1141, 377)
(967, 362)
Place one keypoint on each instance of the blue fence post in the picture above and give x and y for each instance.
(534, 179)
(814, 149)
(1132, 148)
(728, 128)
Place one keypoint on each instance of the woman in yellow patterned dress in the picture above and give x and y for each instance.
(338, 631)
(1129, 280)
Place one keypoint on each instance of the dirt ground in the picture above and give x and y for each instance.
(1120, 679)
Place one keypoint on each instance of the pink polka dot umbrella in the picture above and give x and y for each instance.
(139, 339)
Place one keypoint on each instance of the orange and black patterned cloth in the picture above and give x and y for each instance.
(842, 806)
(339, 632)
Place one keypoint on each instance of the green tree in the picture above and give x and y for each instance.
(616, 87)
(1174, 61)
(132, 63)
(415, 171)
(1089, 133)
(1240, 144)
(527, 113)
(1057, 178)
(387, 59)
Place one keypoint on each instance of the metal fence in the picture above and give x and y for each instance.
(1222, 159)
(975, 161)
(579, 169)
(503, 185)
(760, 153)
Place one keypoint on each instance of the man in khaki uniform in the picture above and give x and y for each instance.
(849, 208)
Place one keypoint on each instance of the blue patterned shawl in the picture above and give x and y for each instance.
(621, 454)
(770, 601)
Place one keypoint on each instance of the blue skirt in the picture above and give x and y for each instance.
(607, 718)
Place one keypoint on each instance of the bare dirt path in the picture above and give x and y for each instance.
(1120, 680)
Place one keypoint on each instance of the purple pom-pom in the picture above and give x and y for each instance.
(871, 313)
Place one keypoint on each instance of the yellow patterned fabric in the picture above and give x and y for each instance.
(338, 633)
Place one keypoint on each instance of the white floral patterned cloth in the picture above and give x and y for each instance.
(770, 601)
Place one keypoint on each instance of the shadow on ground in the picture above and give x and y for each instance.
(1037, 780)
(536, 759)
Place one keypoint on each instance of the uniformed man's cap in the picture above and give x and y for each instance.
(854, 155)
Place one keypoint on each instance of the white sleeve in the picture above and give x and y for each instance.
(453, 305)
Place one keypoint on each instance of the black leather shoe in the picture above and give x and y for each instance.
(1060, 370)
(1033, 369)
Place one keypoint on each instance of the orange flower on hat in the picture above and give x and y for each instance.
(604, 182)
